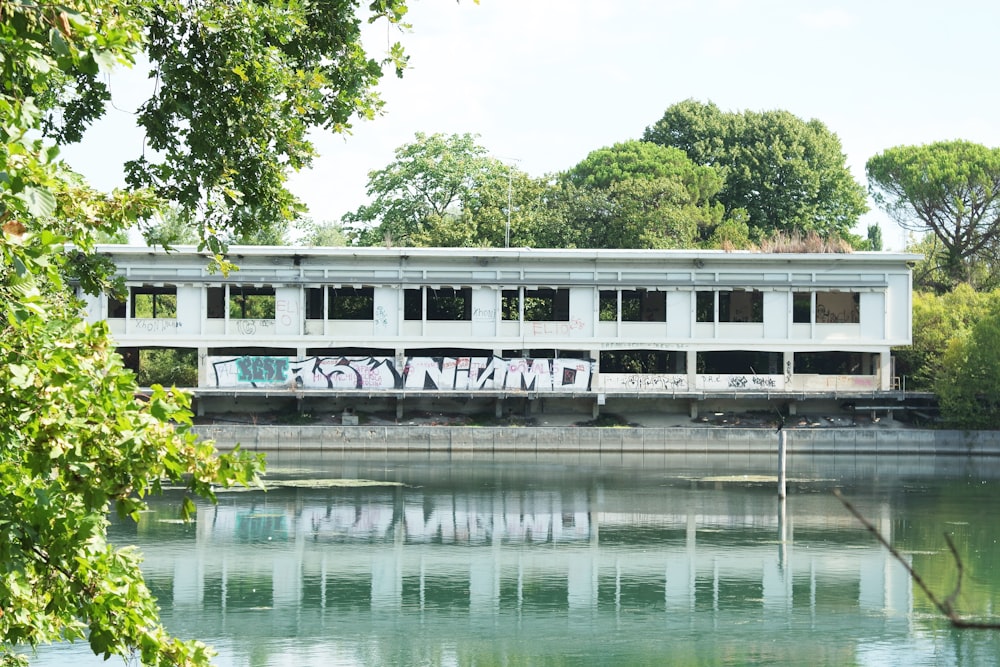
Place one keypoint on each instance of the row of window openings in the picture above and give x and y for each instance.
(347, 303)
(737, 362)
(542, 305)
(663, 362)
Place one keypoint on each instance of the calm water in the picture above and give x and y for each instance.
(581, 561)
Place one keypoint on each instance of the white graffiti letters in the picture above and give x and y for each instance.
(419, 373)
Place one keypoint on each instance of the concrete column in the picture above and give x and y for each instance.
(203, 369)
(885, 370)
(692, 369)
(788, 369)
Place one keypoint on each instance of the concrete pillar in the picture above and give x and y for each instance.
(692, 369)
(203, 369)
(693, 405)
(885, 370)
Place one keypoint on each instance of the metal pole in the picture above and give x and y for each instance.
(510, 187)
(782, 448)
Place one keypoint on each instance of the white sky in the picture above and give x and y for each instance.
(544, 82)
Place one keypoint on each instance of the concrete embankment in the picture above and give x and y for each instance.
(467, 441)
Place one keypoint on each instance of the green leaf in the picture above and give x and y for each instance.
(188, 508)
(39, 202)
(19, 375)
(105, 59)
(161, 409)
(58, 43)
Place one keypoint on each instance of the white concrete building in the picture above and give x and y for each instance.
(521, 328)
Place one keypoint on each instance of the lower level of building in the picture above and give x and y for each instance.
(528, 383)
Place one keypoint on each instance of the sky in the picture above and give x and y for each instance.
(545, 82)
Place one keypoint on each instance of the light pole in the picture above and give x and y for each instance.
(510, 196)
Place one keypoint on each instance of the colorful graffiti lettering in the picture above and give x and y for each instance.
(419, 373)
(262, 370)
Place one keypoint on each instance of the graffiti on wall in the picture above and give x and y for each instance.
(254, 327)
(741, 382)
(420, 373)
(644, 382)
(472, 373)
(308, 373)
(555, 328)
(147, 325)
(286, 312)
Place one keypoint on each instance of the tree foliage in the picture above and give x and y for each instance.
(937, 320)
(786, 173)
(638, 195)
(950, 189)
(968, 386)
(239, 84)
(317, 234)
(439, 190)
(448, 191)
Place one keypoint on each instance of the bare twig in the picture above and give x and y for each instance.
(946, 606)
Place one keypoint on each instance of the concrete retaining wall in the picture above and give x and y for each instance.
(468, 441)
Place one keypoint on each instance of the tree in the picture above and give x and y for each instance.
(874, 241)
(950, 189)
(239, 85)
(171, 229)
(639, 195)
(937, 321)
(787, 174)
(436, 182)
(968, 386)
(316, 234)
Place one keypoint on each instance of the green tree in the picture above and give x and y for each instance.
(172, 228)
(435, 183)
(168, 367)
(950, 189)
(637, 195)
(320, 234)
(968, 386)
(874, 241)
(937, 321)
(239, 85)
(786, 173)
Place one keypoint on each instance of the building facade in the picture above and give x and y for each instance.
(519, 329)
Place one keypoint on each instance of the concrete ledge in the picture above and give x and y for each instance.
(465, 442)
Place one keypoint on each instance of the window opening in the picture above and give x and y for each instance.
(546, 305)
(741, 306)
(352, 303)
(150, 302)
(251, 303)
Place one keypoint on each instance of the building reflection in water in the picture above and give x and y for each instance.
(528, 564)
